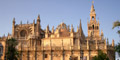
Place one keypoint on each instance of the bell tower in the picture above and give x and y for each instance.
(93, 25)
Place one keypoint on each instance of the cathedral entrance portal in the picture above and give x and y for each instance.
(73, 58)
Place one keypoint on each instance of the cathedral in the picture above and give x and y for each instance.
(60, 43)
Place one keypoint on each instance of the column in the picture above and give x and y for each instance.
(87, 44)
(88, 56)
(96, 45)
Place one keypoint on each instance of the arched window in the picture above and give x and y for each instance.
(97, 27)
(92, 17)
(93, 26)
(23, 33)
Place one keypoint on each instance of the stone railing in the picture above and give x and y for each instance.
(21, 38)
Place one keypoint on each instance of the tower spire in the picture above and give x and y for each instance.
(92, 12)
(38, 25)
(38, 18)
(92, 7)
(80, 25)
(13, 27)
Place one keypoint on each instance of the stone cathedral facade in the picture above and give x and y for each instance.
(60, 43)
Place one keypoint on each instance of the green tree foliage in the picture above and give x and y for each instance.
(116, 24)
(101, 56)
(12, 53)
(117, 48)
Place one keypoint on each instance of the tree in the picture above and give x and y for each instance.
(101, 56)
(12, 52)
(117, 48)
(116, 24)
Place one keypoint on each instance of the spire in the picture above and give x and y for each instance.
(34, 21)
(53, 29)
(80, 28)
(13, 20)
(92, 12)
(72, 29)
(38, 18)
(92, 7)
(101, 32)
(47, 29)
(113, 42)
(13, 27)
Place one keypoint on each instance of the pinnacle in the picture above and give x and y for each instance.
(38, 16)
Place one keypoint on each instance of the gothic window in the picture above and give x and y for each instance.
(23, 33)
(90, 27)
(93, 26)
(97, 27)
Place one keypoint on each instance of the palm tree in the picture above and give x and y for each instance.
(116, 24)
(12, 52)
(101, 56)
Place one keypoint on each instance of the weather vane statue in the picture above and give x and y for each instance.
(92, 2)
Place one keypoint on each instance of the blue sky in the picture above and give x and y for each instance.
(53, 12)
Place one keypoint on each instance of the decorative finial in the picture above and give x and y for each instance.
(47, 29)
(13, 21)
(38, 16)
(92, 2)
(92, 7)
(72, 29)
